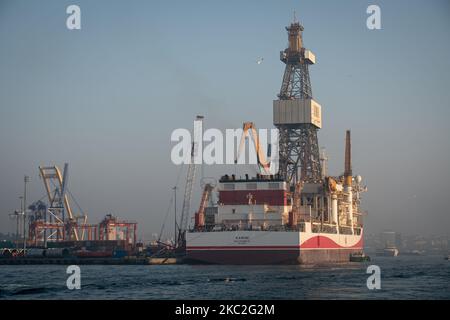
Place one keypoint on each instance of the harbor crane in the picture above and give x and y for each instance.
(200, 214)
(250, 128)
(185, 211)
(57, 221)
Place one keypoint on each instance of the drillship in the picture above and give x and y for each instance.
(300, 215)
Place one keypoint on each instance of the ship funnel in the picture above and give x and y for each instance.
(348, 159)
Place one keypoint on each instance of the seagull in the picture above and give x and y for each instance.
(260, 60)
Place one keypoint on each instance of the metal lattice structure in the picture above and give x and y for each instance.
(185, 211)
(57, 221)
(299, 153)
(299, 146)
(296, 82)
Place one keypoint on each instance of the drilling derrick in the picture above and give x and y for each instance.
(296, 114)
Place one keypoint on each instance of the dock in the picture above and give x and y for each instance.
(92, 261)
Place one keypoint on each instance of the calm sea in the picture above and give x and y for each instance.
(407, 277)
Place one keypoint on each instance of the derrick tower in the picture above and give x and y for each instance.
(296, 114)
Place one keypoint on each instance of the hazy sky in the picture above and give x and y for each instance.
(107, 97)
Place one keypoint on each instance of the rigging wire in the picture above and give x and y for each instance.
(170, 203)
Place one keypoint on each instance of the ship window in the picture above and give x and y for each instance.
(274, 185)
(251, 186)
(229, 186)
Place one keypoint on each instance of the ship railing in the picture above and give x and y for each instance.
(222, 228)
(316, 227)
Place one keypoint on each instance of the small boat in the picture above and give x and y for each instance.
(413, 253)
(387, 252)
(359, 257)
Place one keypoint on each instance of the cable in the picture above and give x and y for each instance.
(170, 204)
(74, 200)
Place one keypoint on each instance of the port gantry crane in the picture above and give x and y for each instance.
(57, 222)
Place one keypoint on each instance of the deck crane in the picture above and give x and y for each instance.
(185, 212)
(262, 161)
(200, 214)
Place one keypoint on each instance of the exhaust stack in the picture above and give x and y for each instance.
(348, 178)
(348, 160)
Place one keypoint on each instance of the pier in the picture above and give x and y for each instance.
(92, 261)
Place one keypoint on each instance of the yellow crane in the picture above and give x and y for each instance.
(200, 215)
(249, 127)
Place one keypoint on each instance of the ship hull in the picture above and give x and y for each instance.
(270, 247)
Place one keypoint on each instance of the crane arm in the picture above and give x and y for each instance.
(262, 161)
(205, 197)
(52, 175)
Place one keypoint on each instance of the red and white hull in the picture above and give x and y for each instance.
(271, 247)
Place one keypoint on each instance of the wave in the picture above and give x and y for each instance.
(226, 279)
